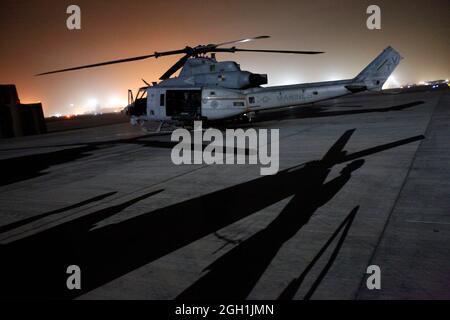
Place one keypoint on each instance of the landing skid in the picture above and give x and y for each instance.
(156, 126)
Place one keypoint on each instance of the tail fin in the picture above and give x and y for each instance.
(378, 71)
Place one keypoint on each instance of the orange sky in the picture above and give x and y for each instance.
(35, 39)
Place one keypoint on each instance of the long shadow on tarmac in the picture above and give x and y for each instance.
(235, 274)
(23, 222)
(35, 266)
(21, 168)
(318, 111)
(290, 291)
(26, 167)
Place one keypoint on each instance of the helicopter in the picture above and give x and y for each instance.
(211, 90)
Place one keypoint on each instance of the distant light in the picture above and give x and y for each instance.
(391, 82)
(288, 79)
(114, 101)
(333, 77)
(92, 103)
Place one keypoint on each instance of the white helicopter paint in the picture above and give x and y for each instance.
(207, 89)
(221, 103)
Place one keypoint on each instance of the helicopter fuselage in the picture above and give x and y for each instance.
(211, 90)
(215, 103)
(207, 89)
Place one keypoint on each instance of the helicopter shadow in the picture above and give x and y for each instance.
(318, 111)
(50, 252)
(236, 273)
(17, 224)
(27, 167)
(22, 168)
(105, 253)
(290, 291)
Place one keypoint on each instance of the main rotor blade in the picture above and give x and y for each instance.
(179, 64)
(241, 40)
(273, 51)
(156, 55)
(98, 64)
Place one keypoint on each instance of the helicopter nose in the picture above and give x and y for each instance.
(128, 109)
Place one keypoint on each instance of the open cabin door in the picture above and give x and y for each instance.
(184, 103)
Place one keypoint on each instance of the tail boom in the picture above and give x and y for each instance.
(379, 70)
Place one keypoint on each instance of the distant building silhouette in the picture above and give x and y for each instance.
(17, 119)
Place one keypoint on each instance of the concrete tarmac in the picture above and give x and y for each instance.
(364, 180)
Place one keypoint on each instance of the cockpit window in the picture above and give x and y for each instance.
(142, 93)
